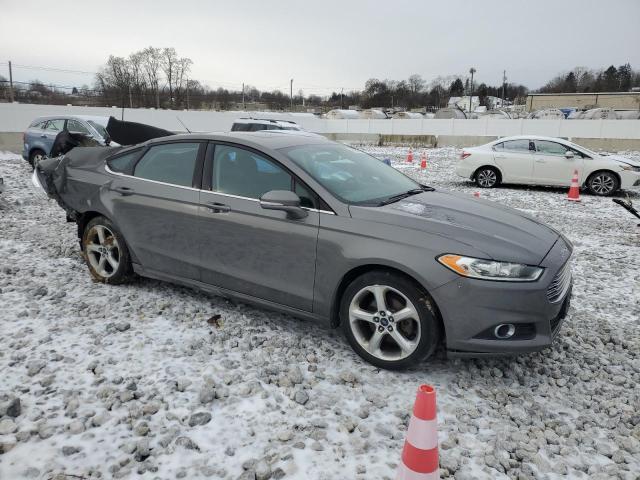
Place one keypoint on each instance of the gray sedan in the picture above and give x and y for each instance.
(303, 225)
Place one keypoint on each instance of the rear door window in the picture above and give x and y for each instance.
(55, 125)
(77, 127)
(172, 163)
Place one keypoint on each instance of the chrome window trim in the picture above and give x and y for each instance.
(108, 170)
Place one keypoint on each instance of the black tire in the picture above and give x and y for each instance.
(36, 153)
(425, 338)
(603, 183)
(487, 177)
(116, 267)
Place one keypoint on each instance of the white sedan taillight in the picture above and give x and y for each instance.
(464, 155)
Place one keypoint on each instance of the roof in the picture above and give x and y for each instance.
(98, 119)
(273, 139)
(528, 137)
(264, 120)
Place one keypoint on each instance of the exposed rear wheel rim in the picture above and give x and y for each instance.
(102, 251)
(487, 178)
(384, 322)
(603, 184)
(36, 158)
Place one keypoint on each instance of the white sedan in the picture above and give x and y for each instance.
(538, 160)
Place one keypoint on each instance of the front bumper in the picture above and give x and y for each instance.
(629, 179)
(471, 309)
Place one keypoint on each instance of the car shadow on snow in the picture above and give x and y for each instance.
(550, 189)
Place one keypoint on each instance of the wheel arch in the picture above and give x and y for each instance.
(493, 167)
(600, 170)
(355, 272)
(83, 218)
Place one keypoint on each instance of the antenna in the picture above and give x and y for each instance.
(185, 127)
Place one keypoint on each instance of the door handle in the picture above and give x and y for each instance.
(216, 207)
(500, 156)
(43, 136)
(541, 161)
(125, 191)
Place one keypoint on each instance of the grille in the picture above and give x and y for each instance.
(560, 283)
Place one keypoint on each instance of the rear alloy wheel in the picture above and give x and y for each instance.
(603, 183)
(487, 177)
(105, 252)
(35, 156)
(387, 321)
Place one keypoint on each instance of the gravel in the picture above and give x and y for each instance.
(104, 381)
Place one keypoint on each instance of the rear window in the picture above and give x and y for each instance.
(37, 124)
(240, 127)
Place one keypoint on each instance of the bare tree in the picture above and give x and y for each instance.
(181, 71)
(151, 63)
(169, 60)
(416, 83)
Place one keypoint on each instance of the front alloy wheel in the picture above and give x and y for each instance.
(603, 183)
(384, 322)
(387, 321)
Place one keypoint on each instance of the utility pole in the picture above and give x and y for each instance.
(187, 93)
(504, 81)
(130, 98)
(291, 93)
(471, 71)
(341, 98)
(10, 83)
(243, 96)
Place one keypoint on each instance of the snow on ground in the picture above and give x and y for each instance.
(101, 381)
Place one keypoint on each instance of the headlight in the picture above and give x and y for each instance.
(630, 167)
(489, 269)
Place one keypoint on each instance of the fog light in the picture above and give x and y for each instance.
(504, 331)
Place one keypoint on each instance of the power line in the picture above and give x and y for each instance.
(49, 69)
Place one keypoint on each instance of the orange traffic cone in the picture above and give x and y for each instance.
(574, 190)
(410, 156)
(423, 161)
(420, 453)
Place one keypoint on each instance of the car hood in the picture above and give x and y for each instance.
(500, 232)
(621, 159)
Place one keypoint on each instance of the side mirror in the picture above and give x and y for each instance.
(284, 200)
(569, 155)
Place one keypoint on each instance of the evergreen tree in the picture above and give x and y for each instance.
(625, 74)
(457, 88)
(570, 83)
(610, 79)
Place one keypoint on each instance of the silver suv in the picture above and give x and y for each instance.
(39, 137)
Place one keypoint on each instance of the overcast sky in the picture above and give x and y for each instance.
(324, 45)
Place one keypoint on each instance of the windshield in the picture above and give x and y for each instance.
(350, 175)
(99, 128)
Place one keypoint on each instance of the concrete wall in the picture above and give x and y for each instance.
(606, 134)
